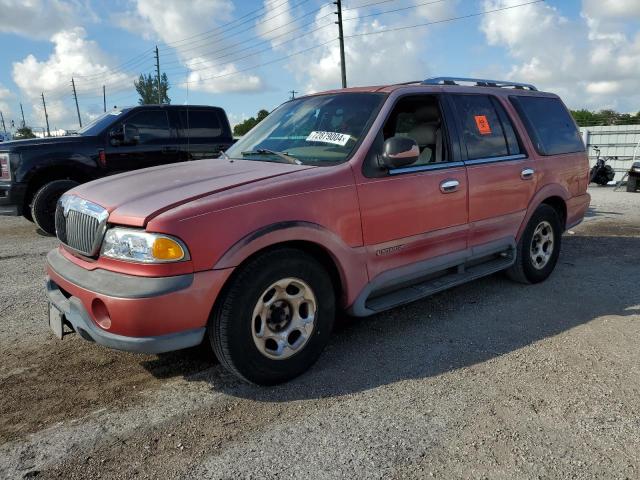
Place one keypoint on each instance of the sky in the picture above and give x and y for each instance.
(248, 55)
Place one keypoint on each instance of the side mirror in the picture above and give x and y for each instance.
(399, 152)
(130, 134)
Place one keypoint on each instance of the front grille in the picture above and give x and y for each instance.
(80, 224)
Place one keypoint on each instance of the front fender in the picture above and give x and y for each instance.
(349, 261)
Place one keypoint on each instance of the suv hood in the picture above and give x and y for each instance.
(43, 142)
(134, 198)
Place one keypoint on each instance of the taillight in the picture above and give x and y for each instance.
(5, 173)
(102, 158)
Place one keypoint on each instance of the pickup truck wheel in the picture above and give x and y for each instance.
(538, 248)
(43, 206)
(632, 184)
(274, 318)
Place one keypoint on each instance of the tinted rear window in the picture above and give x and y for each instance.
(550, 126)
(200, 124)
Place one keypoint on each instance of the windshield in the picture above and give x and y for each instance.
(321, 129)
(100, 123)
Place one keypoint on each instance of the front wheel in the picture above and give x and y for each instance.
(274, 318)
(538, 248)
(43, 206)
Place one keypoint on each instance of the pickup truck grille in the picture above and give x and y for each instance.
(80, 224)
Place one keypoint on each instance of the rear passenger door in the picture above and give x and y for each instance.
(501, 177)
(202, 133)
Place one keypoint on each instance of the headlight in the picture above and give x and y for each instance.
(5, 166)
(140, 246)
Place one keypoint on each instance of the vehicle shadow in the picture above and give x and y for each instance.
(468, 325)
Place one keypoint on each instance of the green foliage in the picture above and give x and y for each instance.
(587, 118)
(24, 132)
(147, 88)
(242, 128)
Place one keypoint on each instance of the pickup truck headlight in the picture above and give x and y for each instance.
(135, 245)
(5, 166)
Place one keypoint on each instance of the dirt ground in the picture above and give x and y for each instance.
(489, 380)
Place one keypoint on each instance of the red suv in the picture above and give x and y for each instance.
(359, 199)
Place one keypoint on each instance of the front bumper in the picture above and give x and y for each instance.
(133, 313)
(12, 198)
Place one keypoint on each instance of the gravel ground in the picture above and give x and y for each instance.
(489, 380)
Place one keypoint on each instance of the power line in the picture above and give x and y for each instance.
(395, 29)
(395, 10)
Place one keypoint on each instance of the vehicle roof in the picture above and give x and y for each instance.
(164, 105)
(506, 91)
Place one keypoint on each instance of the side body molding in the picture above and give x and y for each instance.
(350, 261)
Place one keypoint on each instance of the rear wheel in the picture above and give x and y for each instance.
(274, 318)
(538, 248)
(43, 206)
(632, 184)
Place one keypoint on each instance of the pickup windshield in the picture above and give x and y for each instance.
(321, 129)
(100, 123)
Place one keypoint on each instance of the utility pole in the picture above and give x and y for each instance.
(3, 125)
(46, 117)
(75, 96)
(24, 124)
(104, 99)
(343, 67)
(293, 94)
(158, 72)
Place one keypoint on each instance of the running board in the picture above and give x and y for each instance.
(462, 274)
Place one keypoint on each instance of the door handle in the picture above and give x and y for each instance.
(527, 174)
(169, 149)
(449, 186)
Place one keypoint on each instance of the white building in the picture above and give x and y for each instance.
(621, 142)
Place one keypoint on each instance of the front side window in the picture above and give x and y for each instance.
(152, 125)
(320, 130)
(486, 129)
(550, 126)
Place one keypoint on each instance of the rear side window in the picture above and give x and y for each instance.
(486, 129)
(200, 123)
(550, 126)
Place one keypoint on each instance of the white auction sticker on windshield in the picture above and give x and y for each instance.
(329, 137)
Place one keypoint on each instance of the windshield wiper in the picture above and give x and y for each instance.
(283, 155)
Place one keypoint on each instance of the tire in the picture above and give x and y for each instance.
(242, 326)
(43, 206)
(530, 268)
(26, 213)
(632, 184)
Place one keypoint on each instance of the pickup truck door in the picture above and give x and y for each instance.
(157, 143)
(419, 212)
(203, 133)
(502, 179)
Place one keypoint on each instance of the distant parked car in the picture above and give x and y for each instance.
(36, 172)
(633, 181)
(357, 199)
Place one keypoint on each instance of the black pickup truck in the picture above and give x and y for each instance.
(35, 173)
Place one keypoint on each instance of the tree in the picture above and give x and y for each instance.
(24, 132)
(243, 127)
(587, 118)
(147, 88)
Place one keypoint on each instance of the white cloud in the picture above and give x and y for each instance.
(73, 55)
(40, 18)
(370, 58)
(6, 98)
(588, 61)
(173, 22)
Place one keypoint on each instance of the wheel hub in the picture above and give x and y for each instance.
(542, 244)
(284, 318)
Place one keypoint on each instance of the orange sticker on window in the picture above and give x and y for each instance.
(483, 125)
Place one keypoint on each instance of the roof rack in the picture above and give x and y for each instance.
(480, 82)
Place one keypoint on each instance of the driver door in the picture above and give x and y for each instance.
(156, 143)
